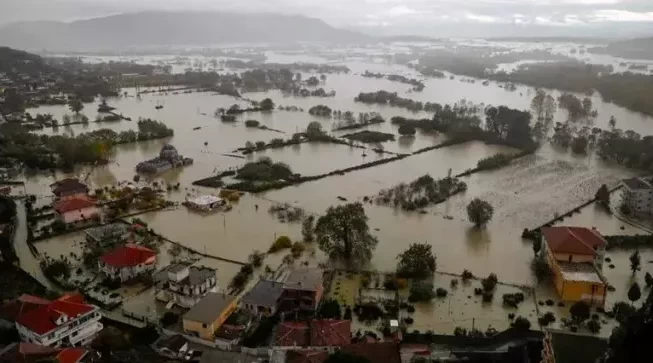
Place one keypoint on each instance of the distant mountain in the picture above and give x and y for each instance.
(172, 28)
(640, 48)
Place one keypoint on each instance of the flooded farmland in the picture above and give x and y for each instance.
(526, 194)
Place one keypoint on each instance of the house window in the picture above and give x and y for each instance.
(204, 326)
(570, 257)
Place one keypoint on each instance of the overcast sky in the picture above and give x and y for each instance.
(427, 17)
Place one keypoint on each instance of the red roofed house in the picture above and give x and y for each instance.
(76, 208)
(67, 321)
(128, 261)
(330, 333)
(575, 256)
(68, 187)
(13, 309)
(292, 334)
(34, 353)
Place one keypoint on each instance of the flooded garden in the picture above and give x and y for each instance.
(527, 193)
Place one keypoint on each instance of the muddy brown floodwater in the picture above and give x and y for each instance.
(524, 194)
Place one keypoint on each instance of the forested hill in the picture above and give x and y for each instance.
(18, 61)
(640, 48)
(172, 28)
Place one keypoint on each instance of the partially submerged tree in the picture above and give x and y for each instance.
(307, 229)
(634, 293)
(418, 261)
(635, 262)
(479, 212)
(580, 312)
(343, 233)
(603, 196)
(75, 105)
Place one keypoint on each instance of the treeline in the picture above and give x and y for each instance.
(627, 148)
(503, 125)
(417, 84)
(383, 97)
(52, 152)
(297, 67)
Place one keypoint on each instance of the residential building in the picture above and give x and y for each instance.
(11, 310)
(383, 352)
(292, 334)
(637, 195)
(319, 333)
(168, 158)
(330, 333)
(206, 317)
(34, 353)
(575, 256)
(112, 232)
(303, 289)
(264, 298)
(68, 187)
(127, 262)
(76, 208)
(185, 285)
(67, 321)
(174, 346)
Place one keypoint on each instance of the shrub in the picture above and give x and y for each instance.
(440, 292)
(460, 331)
(488, 296)
(421, 292)
(467, 275)
(252, 123)
(549, 302)
(256, 258)
(408, 320)
(648, 279)
(580, 311)
(407, 130)
(281, 243)
(521, 324)
(594, 326)
(478, 291)
(454, 282)
(330, 309)
(169, 318)
(547, 319)
(410, 309)
(490, 282)
(494, 162)
(260, 145)
(623, 311)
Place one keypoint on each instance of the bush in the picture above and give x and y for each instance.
(488, 296)
(467, 275)
(623, 311)
(256, 258)
(281, 243)
(252, 123)
(594, 326)
(490, 282)
(440, 292)
(494, 162)
(297, 249)
(408, 320)
(478, 291)
(407, 130)
(547, 319)
(580, 311)
(410, 309)
(169, 318)
(421, 292)
(330, 309)
(521, 324)
(648, 279)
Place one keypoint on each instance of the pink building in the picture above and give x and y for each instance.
(76, 208)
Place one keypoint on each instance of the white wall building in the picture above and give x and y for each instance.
(185, 285)
(67, 321)
(637, 194)
(127, 262)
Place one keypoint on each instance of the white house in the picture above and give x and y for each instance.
(127, 262)
(185, 285)
(637, 194)
(67, 321)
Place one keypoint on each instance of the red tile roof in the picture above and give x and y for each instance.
(574, 240)
(13, 309)
(292, 333)
(33, 353)
(306, 356)
(68, 184)
(330, 333)
(386, 352)
(42, 319)
(74, 203)
(128, 256)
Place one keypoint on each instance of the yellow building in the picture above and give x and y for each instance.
(206, 317)
(575, 256)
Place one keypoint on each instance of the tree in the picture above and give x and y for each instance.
(603, 196)
(521, 324)
(407, 130)
(634, 293)
(75, 105)
(267, 104)
(580, 311)
(343, 233)
(635, 262)
(537, 104)
(169, 318)
(479, 212)
(421, 291)
(314, 129)
(416, 262)
(612, 122)
(550, 107)
(256, 258)
(330, 309)
(537, 246)
(307, 228)
(344, 357)
(579, 145)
